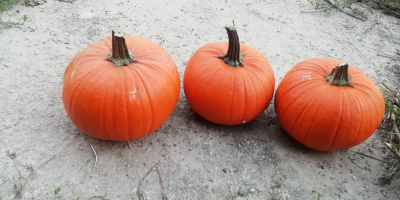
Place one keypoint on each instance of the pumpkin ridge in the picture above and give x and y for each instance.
(252, 70)
(102, 111)
(316, 116)
(217, 99)
(364, 101)
(283, 82)
(252, 81)
(360, 101)
(372, 103)
(316, 93)
(159, 102)
(163, 71)
(283, 96)
(126, 107)
(77, 88)
(338, 124)
(244, 96)
(139, 73)
(232, 96)
(139, 100)
(196, 81)
(350, 117)
(362, 119)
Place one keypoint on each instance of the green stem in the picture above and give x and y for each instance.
(233, 57)
(120, 55)
(339, 76)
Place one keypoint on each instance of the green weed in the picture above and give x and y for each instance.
(7, 4)
(56, 191)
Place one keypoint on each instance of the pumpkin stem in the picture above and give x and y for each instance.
(233, 57)
(120, 55)
(339, 76)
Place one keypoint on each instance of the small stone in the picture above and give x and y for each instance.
(225, 170)
(190, 185)
(322, 167)
(252, 190)
(12, 91)
(354, 178)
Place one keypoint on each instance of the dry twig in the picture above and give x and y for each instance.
(95, 163)
(140, 195)
(341, 10)
(164, 197)
(312, 11)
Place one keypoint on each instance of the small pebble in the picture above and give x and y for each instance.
(354, 178)
(252, 190)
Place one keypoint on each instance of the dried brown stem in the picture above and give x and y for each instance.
(138, 192)
(95, 163)
(164, 197)
(341, 10)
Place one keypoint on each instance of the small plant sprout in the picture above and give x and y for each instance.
(25, 18)
(56, 191)
(30, 168)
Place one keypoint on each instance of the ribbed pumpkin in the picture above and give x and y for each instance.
(114, 94)
(228, 83)
(328, 105)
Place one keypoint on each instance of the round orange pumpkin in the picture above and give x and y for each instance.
(228, 83)
(114, 94)
(327, 105)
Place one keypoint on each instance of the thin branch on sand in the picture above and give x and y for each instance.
(140, 194)
(341, 10)
(164, 197)
(312, 11)
(95, 163)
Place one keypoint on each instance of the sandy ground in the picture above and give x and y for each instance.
(41, 150)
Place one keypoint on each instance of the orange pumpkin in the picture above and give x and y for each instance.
(328, 106)
(124, 95)
(232, 88)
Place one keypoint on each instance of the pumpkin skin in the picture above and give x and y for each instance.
(328, 117)
(228, 95)
(120, 103)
